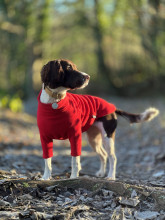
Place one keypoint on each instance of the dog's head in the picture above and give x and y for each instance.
(63, 73)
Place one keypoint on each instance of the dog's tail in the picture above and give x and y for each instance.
(147, 115)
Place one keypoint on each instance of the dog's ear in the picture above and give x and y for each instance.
(45, 73)
(58, 70)
(57, 75)
(52, 74)
(58, 65)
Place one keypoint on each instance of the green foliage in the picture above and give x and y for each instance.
(119, 43)
(16, 105)
(13, 103)
(4, 102)
(26, 185)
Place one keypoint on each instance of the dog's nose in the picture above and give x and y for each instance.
(87, 77)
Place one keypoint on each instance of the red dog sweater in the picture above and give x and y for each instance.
(74, 115)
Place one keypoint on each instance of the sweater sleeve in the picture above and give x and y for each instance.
(75, 136)
(47, 146)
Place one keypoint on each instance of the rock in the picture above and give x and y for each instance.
(74, 203)
(83, 207)
(97, 204)
(118, 213)
(158, 174)
(131, 201)
(2, 182)
(50, 188)
(5, 215)
(113, 204)
(133, 194)
(61, 196)
(88, 199)
(107, 193)
(160, 156)
(60, 203)
(4, 203)
(67, 200)
(97, 197)
(146, 215)
(67, 194)
(157, 183)
(82, 198)
(122, 214)
(128, 213)
(107, 203)
(25, 197)
(13, 171)
(32, 214)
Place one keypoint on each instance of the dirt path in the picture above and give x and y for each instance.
(141, 161)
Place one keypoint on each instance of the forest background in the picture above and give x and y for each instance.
(119, 43)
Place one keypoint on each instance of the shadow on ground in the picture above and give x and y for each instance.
(141, 161)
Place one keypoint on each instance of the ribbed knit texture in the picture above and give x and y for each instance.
(74, 115)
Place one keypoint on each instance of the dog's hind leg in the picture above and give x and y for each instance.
(107, 125)
(95, 140)
(109, 144)
(48, 169)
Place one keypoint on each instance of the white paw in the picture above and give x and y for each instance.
(100, 173)
(46, 177)
(110, 178)
(73, 176)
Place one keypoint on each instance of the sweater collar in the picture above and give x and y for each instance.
(61, 104)
(56, 95)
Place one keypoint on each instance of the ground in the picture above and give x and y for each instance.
(140, 171)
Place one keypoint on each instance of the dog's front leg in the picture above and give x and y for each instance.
(76, 167)
(75, 141)
(48, 169)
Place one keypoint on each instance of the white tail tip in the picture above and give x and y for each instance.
(149, 114)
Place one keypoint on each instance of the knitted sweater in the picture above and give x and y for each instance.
(74, 115)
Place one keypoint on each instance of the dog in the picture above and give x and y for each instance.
(63, 115)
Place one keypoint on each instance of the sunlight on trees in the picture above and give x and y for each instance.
(119, 43)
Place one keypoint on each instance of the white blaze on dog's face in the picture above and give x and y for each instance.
(63, 73)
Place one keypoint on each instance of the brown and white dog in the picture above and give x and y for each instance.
(59, 76)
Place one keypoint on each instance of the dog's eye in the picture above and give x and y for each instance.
(69, 67)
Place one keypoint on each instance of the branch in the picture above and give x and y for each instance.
(91, 184)
(11, 28)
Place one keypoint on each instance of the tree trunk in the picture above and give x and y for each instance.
(149, 33)
(103, 69)
(28, 84)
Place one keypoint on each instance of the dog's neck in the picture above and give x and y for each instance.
(52, 95)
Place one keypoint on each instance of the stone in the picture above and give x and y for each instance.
(4, 203)
(113, 204)
(82, 198)
(67, 200)
(107, 193)
(67, 194)
(146, 215)
(9, 215)
(159, 174)
(50, 188)
(60, 203)
(131, 201)
(133, 194)
(25, 197)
